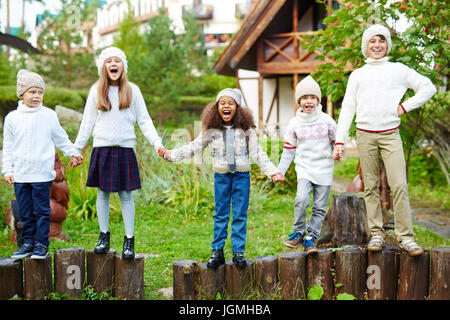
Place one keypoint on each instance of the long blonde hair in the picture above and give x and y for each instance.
(125, 92)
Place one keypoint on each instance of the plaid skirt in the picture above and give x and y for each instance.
(113, 169)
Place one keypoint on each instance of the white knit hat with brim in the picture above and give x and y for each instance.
(308, 86)
(232, 93)
(372, 31)
(26, 80)
(111, 52)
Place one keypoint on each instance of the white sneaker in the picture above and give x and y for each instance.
(376, 243)
(411, 247)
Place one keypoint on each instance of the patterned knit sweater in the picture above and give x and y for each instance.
(245, 144)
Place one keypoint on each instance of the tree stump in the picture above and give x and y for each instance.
(38, 278)
(413, 276)
(382, 273)
(440, 273)
(100, 271)
(292, 267)
(129, 277)
(346, 221)
(184, 278)
(319, 271)
(239, 281)
(351, 266)
(69, 271)
(11, 278)
(210, 282)
(266, 274)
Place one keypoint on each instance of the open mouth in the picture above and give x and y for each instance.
(114, 71)
(226, 112)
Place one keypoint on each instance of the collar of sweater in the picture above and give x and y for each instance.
(374, 62)
(309, 117)
(24, 108)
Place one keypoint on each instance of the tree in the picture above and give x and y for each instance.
(422, 46)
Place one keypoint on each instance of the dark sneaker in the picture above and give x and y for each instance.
(308, 244)
(103, 243)
(217, 259)
(294, 240)
(24, 251)
(40, 252)
(239, 260)
(128, 248)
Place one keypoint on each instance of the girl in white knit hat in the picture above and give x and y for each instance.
(30, 135)
(112, 109)
(309, 139)
(374, 93)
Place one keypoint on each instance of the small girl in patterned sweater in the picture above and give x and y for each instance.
(309, 138)
(229, 131)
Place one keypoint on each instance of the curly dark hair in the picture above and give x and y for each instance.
(211, 119)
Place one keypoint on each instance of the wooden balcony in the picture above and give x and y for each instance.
(200, 11)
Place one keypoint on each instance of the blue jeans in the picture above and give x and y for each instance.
(33, 200)
(231, 189)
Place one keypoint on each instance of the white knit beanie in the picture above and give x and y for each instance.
(372, 31)
(307, 86)
(26, 80)
(232, 93)
(111, 52)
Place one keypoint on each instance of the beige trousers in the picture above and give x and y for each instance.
(389, 145)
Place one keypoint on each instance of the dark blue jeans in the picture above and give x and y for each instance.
(231, 189)
(33, 200)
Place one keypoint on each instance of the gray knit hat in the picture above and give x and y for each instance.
(111, 52)
(26, 80)
(372, 31)
(307, 86)
(232, 93)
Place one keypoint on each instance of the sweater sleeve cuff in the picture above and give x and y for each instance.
(339, 143)
(404, 110)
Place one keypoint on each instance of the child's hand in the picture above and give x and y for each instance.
(400, 111)
(9, 179)
(162, 152)
(337, 152)
(75, 161)
(279, 177)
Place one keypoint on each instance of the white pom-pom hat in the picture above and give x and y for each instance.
(111, 52)
(372, 31)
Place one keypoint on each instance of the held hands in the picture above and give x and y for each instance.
(75, 161)
(279, 177)
(162, 152)
(337, 152)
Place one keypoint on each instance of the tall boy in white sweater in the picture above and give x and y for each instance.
(30, 135)
(374, 92)
(309, 138)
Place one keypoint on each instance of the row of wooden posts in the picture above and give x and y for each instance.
(386, 275)
(74, 268)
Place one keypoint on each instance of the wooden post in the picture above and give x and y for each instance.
(382, 273)
(38, 278)
(184, 278)
(440, 274)
(292, 266)
(319, 271)
(266, 274)
(238, 281)
(351, 266)
(11, 278)
(69, 271)
(129, 277)
(210, 282)
(100, 271)
(413, 276)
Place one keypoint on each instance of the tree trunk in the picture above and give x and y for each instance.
(319, 272)
(266, 274)
(239, 281)
(129, 277)
(38, 278)
(210, 282)
(11, 278)
(70, 271)
(351, 266)
(293, 275)
(184, 278)
(413, 276)
(382, 273)
(440, 274)
(100, 271)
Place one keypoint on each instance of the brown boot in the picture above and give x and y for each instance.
(295, 239)
(308, 244)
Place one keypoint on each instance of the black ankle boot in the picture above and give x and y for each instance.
(239, 260)
(103, 243)
(128, 248)
(217, 259)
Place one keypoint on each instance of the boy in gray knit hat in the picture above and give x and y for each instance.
(30, 134)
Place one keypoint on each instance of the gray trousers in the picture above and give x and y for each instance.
(302, 201)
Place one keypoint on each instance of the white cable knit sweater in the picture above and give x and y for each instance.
(115, 127)
(29, 139)
(374, 92)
